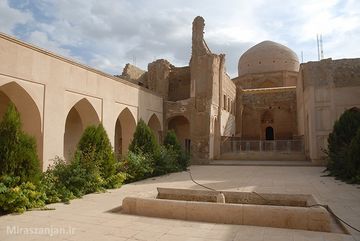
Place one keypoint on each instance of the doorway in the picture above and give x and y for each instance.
(269, 133)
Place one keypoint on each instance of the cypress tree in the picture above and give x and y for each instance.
(18, 155)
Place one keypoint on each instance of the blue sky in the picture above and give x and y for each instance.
(107, 34)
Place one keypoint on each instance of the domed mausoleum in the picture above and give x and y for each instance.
(268, 56)
(266, 93)
(268, 64)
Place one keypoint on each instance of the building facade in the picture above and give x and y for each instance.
(274, 98)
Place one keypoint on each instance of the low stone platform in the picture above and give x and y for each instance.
(291, 211)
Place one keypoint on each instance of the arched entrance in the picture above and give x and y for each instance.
(29, 112)
(80, 116)
(124, 131)
(269, 133)
(181, 126)
(155, 126)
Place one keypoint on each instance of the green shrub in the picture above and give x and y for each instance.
(171, 143)
(17, 196)
(144, 140)
(115, 181)
(338, 143)
(18, 156)
(171, 140)
(353, 159)
(184, 160)
(95, 147)
(97, 156)
(92, 169)
(166, 161)
(63, 182)
(137, 166)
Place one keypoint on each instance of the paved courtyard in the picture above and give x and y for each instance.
(96, 216)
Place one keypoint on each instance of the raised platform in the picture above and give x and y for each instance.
(292, 211)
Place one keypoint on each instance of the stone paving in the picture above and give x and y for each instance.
(97, 216)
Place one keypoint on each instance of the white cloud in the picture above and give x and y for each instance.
(107, 34)
(10, 17)
(41, 39)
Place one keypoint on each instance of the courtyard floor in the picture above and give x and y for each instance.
(96, 216)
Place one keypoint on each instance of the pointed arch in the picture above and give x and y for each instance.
(80, 116)
(181, 125)
(124, 131)
(155, 126)
(29, 112)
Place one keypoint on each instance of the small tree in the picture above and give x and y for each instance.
(172, 144)
(171, 140)
(95, 144)
(144, 140)
(18, 156)
(353, 159)
(339, 140)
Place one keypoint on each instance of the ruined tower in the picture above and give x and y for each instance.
(206, 71)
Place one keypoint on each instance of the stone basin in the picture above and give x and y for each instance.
(292, 211)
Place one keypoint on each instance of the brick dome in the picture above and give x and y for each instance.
(268, 56)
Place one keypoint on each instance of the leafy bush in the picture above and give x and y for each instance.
(144, 140)
(115, 181)
(92, 169)
(171, 140)
(171, 143)
(184, 160)
(339, 141)
(137, 166)
(18, 156)
(353, 159)
(18, 197)
(166, 161)
(66, 181)
(94, 149)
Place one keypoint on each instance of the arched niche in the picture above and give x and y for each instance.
(124, 131)
(155, 126)
(29, 112)
(80, 116)
(181, 126)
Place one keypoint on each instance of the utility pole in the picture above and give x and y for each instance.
(318, 47)
(319, 43)
(302, 56)
(321, 48)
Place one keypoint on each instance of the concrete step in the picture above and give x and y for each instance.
(260, 163)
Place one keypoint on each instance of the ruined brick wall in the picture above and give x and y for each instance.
(158, 76)
(134, 74)
(179, 83)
